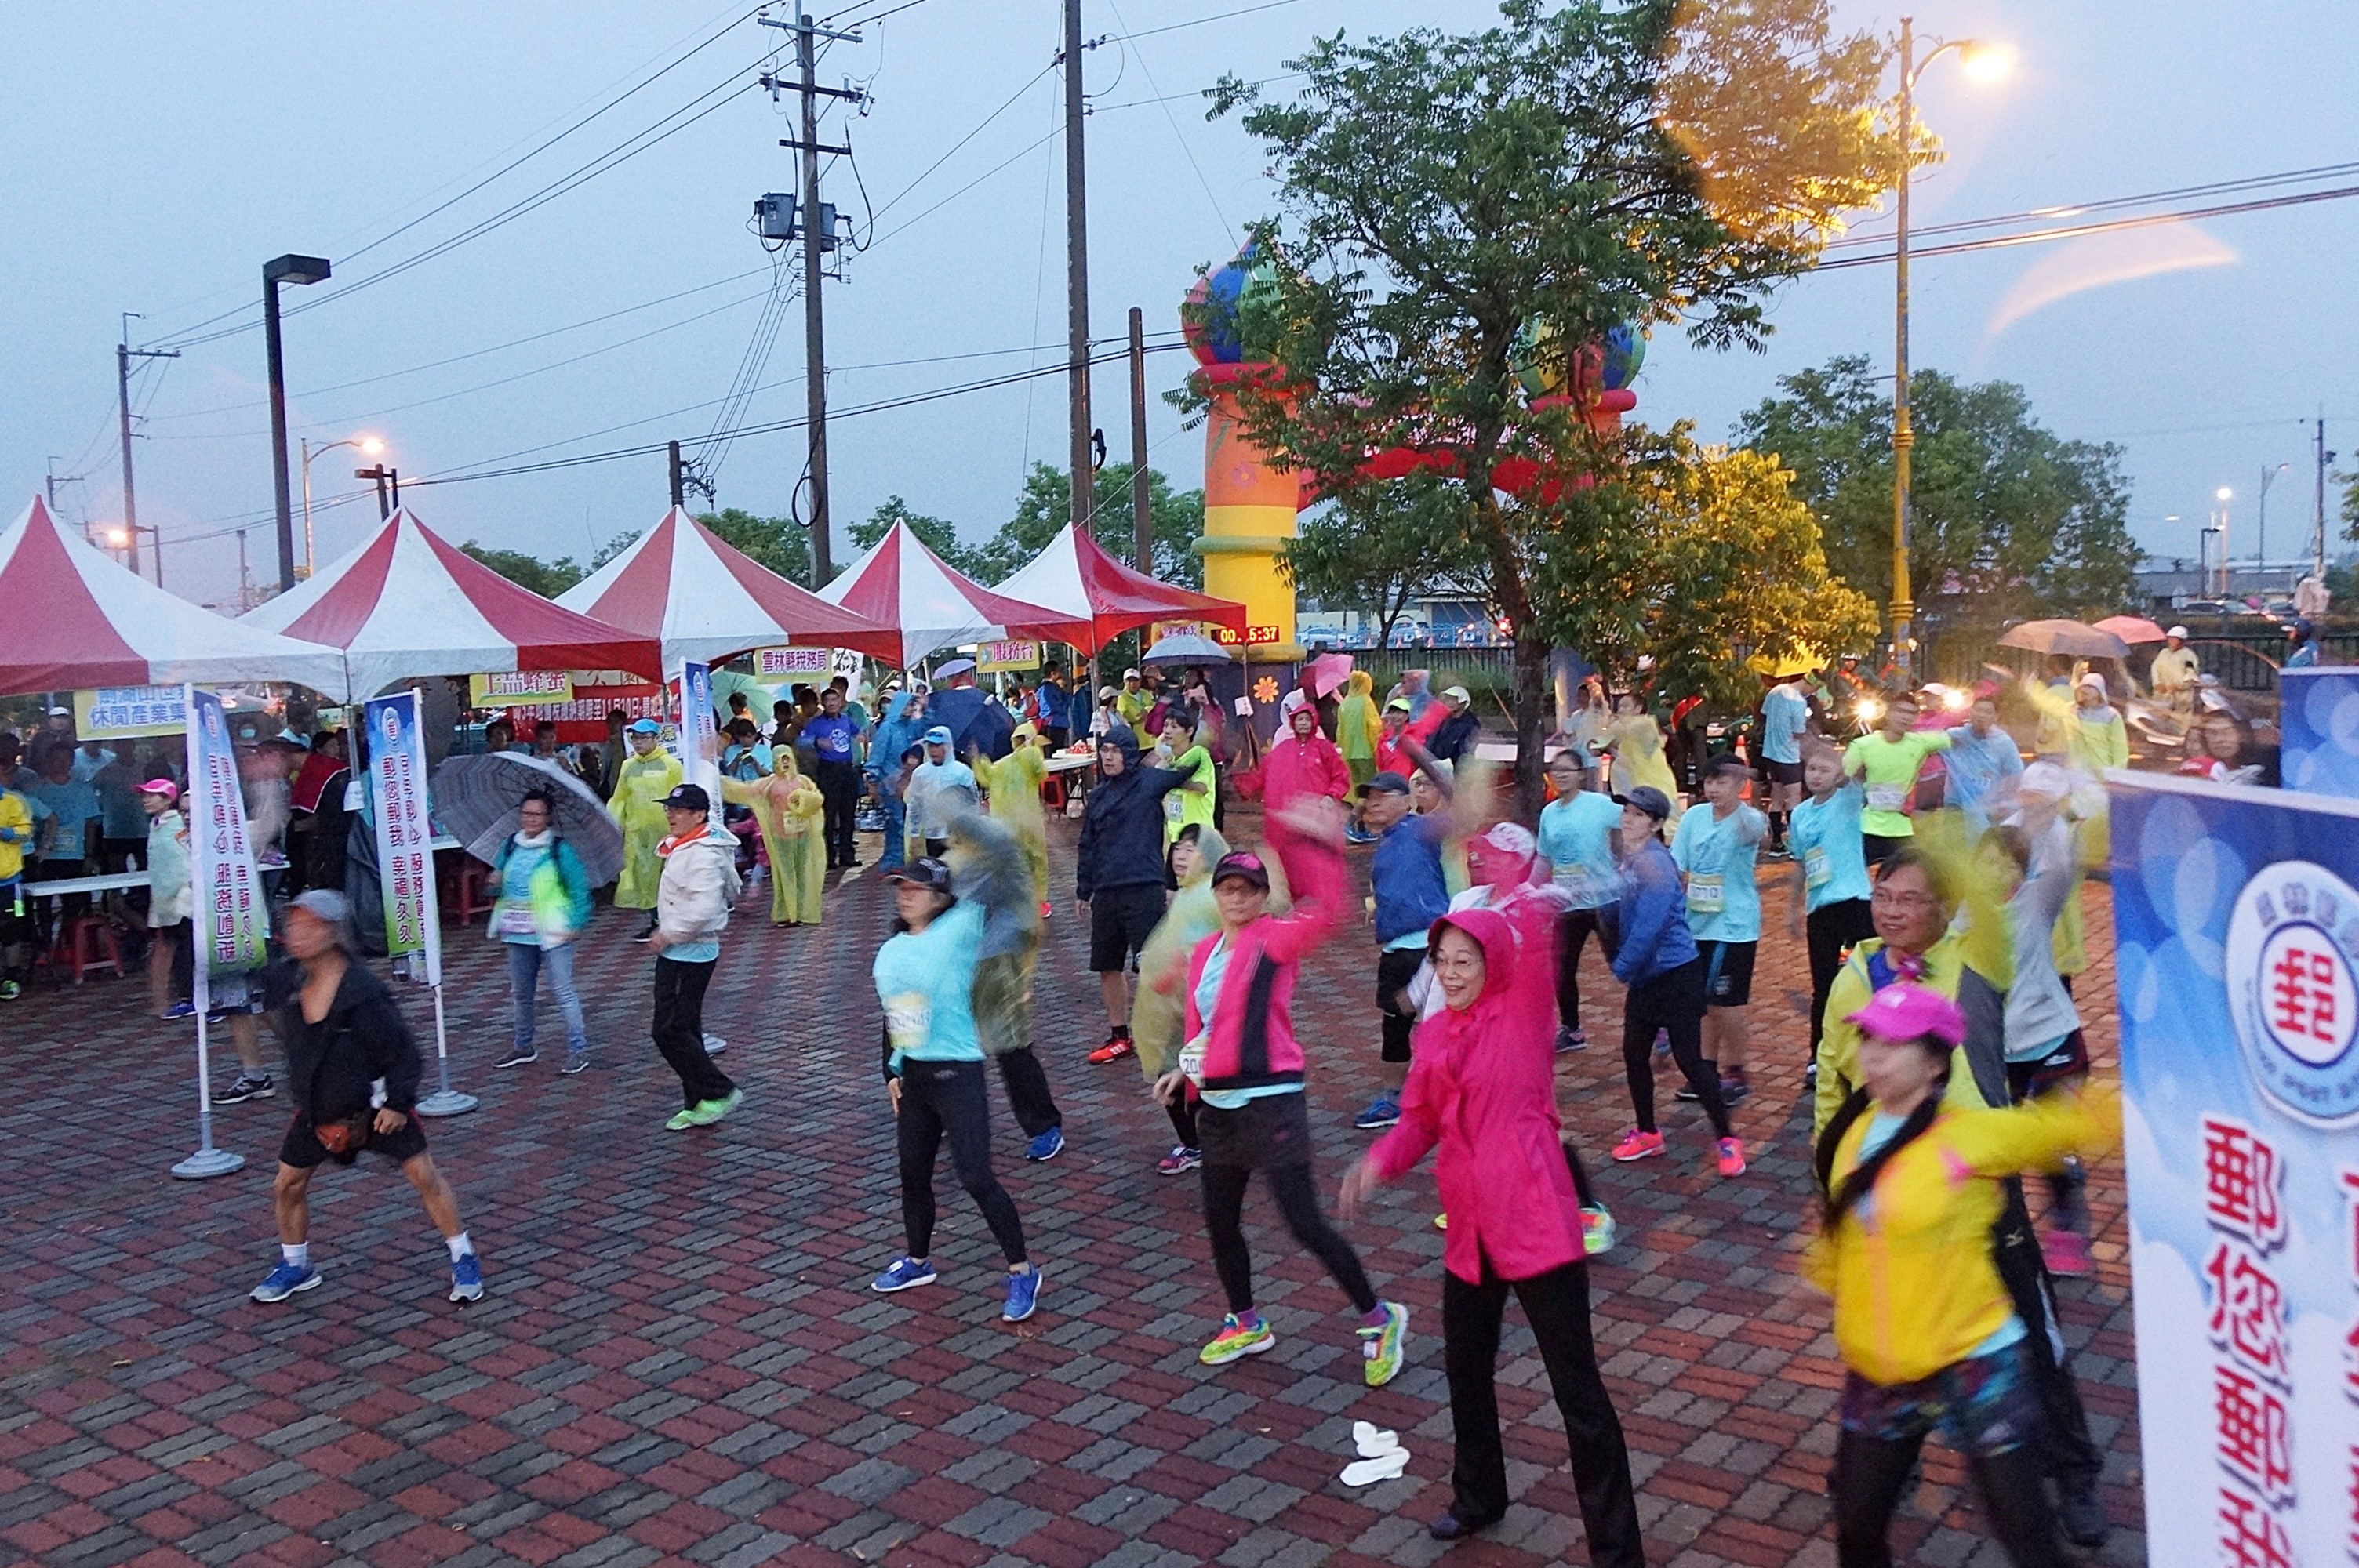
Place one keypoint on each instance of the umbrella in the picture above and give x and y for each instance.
(1329, 672)
(2069, 638)
(475, 800)
(1185, 648)
(2133, 629)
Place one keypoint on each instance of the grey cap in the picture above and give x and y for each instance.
(326, 903)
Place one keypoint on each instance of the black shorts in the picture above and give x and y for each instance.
(1782, 772)
(2063, 1067)
(301, 1149)
(1728, 972)
(1121, 920)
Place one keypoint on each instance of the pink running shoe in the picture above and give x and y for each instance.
(1732, 1157)
(2065, 1253)
(1637, 1145)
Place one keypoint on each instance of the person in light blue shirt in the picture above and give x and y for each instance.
(1982, 758)
(1831, 877)
(1576, 839)
(1715, 851)
(1785, 720)
(933, 1076)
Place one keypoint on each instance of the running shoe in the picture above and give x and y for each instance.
(681, 1121)
(2065, 1254)
(712, 1110)
(1810, 1077)
(1731, 1156)
(1116, 1048)
(1381, 1347)
(517, 1056)
(1180, 1162)
(1355, 834)
(243, 1088)
(1047, 1146)
(647, 933)
(1023, 1295)
(1638, 1145)
(467, 1278)
(1662, 1041)
(180, 1010)
(1045, 910)
(1572, 1040)
(1597, 1232)
(1732, 1091)
(1441, 1222)
(10, 991)
(285, 1280)
(1236, 1340)
(575, 1061)
(1381, 1112)
(901, 1274)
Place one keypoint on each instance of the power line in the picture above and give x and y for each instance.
(2116, 225)
(2215, 187)
(1200, 21)
(1185, 150)
(1011, 99)
(962, 189)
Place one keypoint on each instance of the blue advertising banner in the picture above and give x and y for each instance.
(2318, 719)
(2236, 918)
(699, 734)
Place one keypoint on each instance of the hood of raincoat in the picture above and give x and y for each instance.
(1497, 935)
(1122, 738)
(1210, 848)
(1361, 684)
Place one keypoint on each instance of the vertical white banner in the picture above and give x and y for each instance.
(405, 853)
(699, 734)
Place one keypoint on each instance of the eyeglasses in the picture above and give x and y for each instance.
(1456, 961)
(1889, 898)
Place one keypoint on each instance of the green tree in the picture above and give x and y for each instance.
(780, 544)
(1378, 548)
(937, 533)
(547, 578)
(2007, 518)
(1046, 505)
(1573, 170)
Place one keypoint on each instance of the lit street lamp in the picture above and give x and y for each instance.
(125, 537)
(2223, 496)
(1983, 62)
(283, 269)
(369, 447)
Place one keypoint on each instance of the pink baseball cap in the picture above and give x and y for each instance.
(164, 787)
(1904, 1010)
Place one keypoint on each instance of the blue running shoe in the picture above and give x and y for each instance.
(1381, 1112)
(182, 1009)
(467, 1279)
(1047, 1146)
(903, 1273)
(1023, 1294)
(285, 1280)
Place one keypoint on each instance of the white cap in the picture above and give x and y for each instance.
(2177, 631)
(1131, 674)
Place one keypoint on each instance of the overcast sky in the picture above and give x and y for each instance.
(159, 155)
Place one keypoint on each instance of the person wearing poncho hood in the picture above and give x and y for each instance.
(991, 869)
(941, 789)
(1303, 762)
(640, 782)
(1118, 872)
(789, 808)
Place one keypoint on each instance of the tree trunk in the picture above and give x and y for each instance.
(1531, 693)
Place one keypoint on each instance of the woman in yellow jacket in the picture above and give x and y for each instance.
(1357, 727)
(1910, 1191)
(1012, 785)
(641, 782)
(789, 807)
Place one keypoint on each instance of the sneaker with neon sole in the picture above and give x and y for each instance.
(1383, 1347)
(1236, 1340)
(1597, 1232)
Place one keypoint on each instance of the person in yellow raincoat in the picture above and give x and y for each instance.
(1012, 785)
(645, 777)
(1637, 742)
(1357, 727)
(789, 807)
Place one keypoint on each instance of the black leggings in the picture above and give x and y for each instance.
(1557, 1304)
(1574, 929)
(946, 1098)
(1298, 1203)
(1673, 1002)
(1182, 1111)
(1872, 1472)
(1833, 929)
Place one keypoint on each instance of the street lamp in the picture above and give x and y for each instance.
(1983, 62)
(125, 537)
(283, 269)
(2223, 496)
(2261, 524)
(369, 447)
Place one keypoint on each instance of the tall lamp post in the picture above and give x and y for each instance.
(2227, 583)
(369, 447)
(125, 536)
(283, 269)
(1985, 63)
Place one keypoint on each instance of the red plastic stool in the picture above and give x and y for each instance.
(86, 942)
(476, 895)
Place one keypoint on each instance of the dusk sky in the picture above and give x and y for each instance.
(159, 156)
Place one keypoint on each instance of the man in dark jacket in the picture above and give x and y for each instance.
(1454, 737)
(343, 1036)
(1119, 871)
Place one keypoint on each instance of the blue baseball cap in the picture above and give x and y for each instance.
(647, 726)
(940, 735)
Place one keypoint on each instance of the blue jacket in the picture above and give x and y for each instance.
(1122, 828)
(1651, 921)
(894, 735)
(1056, 705)
(1406, 876)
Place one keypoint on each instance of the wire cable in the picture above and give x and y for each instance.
(1200, 21)
(2111, 226)
(2076, 210)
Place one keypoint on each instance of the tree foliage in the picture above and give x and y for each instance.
(780, 544)
(1574, 168)
(1046, 505)
(547, 578)
(937, 533)
(2008, 519)
(1378, 548)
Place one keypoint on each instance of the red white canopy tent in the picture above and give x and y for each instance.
(903, 585)
(1076, 576)
(409, 603)
(707, 600)
(78, 620)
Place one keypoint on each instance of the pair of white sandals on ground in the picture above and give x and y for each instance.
(1382, 1457)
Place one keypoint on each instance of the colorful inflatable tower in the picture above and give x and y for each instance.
(1249, 503)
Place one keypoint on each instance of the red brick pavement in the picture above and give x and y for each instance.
(678, 1360)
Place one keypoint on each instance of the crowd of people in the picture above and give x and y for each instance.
(1933, 874)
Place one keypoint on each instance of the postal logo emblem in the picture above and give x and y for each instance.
(2291, 990)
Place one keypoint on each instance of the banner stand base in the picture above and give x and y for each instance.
(208, 1162)
(446, 1102)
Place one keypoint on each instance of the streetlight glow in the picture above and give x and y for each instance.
(371, 446)
(2223, 494)
(1986, 62)
(118, 538)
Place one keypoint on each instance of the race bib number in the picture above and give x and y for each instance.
(1191, 1061)
(1171, 807)
(517, 922)
(1707, 894)
(908, 1019)
(1886, 798)
(1816, 871)
(1575, 880)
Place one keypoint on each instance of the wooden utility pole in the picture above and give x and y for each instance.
(123, 354)
(1142, 511)
(1077, 272)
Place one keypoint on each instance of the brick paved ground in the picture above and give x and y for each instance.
(679, 1361)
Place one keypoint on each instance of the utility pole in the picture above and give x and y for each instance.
(2261, 524)
(1077, 270)
(818, 237)
(244, 580)
(56, 479)
(678, 494)
(1141, 514)
(2318, 546)
(123, 354)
